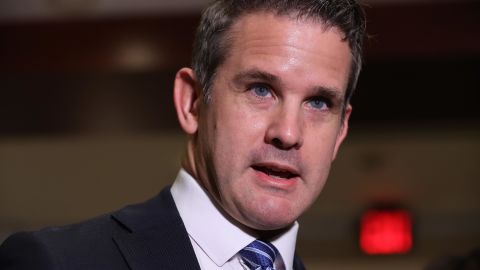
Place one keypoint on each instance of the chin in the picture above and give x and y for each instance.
(271, 225)
(271, 221)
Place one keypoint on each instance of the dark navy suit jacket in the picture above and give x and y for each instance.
(146, 236)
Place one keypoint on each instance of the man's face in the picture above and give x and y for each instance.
(274, 121)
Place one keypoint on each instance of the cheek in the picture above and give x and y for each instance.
(319, 142)
(318, 152)
(239, 128)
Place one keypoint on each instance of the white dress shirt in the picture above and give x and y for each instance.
(215, 239)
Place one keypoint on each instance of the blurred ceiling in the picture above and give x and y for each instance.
(48, 9)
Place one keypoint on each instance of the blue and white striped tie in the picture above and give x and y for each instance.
(259, 255)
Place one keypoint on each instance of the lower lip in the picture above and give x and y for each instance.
(275, 182)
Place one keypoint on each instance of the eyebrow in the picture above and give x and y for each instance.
(256, 74)
(334, 94)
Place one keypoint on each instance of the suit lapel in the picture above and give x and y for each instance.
(152, 236)
(297, 263)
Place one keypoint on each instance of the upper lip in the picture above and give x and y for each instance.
(275, 166)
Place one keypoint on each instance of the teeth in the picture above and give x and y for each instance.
(276, 173)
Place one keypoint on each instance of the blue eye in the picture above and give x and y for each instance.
(260, 90)
(318, 104)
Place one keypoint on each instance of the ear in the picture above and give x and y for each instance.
(342, 133)
(186, 100)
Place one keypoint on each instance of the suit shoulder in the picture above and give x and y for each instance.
(92, 229)
(91, 244)
(75, 246)
(25, 251)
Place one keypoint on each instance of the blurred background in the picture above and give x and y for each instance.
(87, 124)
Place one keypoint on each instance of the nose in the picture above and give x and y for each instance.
(285, 130)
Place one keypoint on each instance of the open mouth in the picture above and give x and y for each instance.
(284, 174)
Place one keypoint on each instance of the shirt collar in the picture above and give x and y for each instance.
(195, 207)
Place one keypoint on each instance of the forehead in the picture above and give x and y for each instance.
(286, 46)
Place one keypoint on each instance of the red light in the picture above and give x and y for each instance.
(386, 232)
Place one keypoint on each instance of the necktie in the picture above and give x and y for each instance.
(259, 255)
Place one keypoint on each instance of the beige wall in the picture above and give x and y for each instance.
(62, 180)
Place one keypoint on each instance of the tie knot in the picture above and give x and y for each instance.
(259, 255)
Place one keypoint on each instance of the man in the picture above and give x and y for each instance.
(265, 108)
